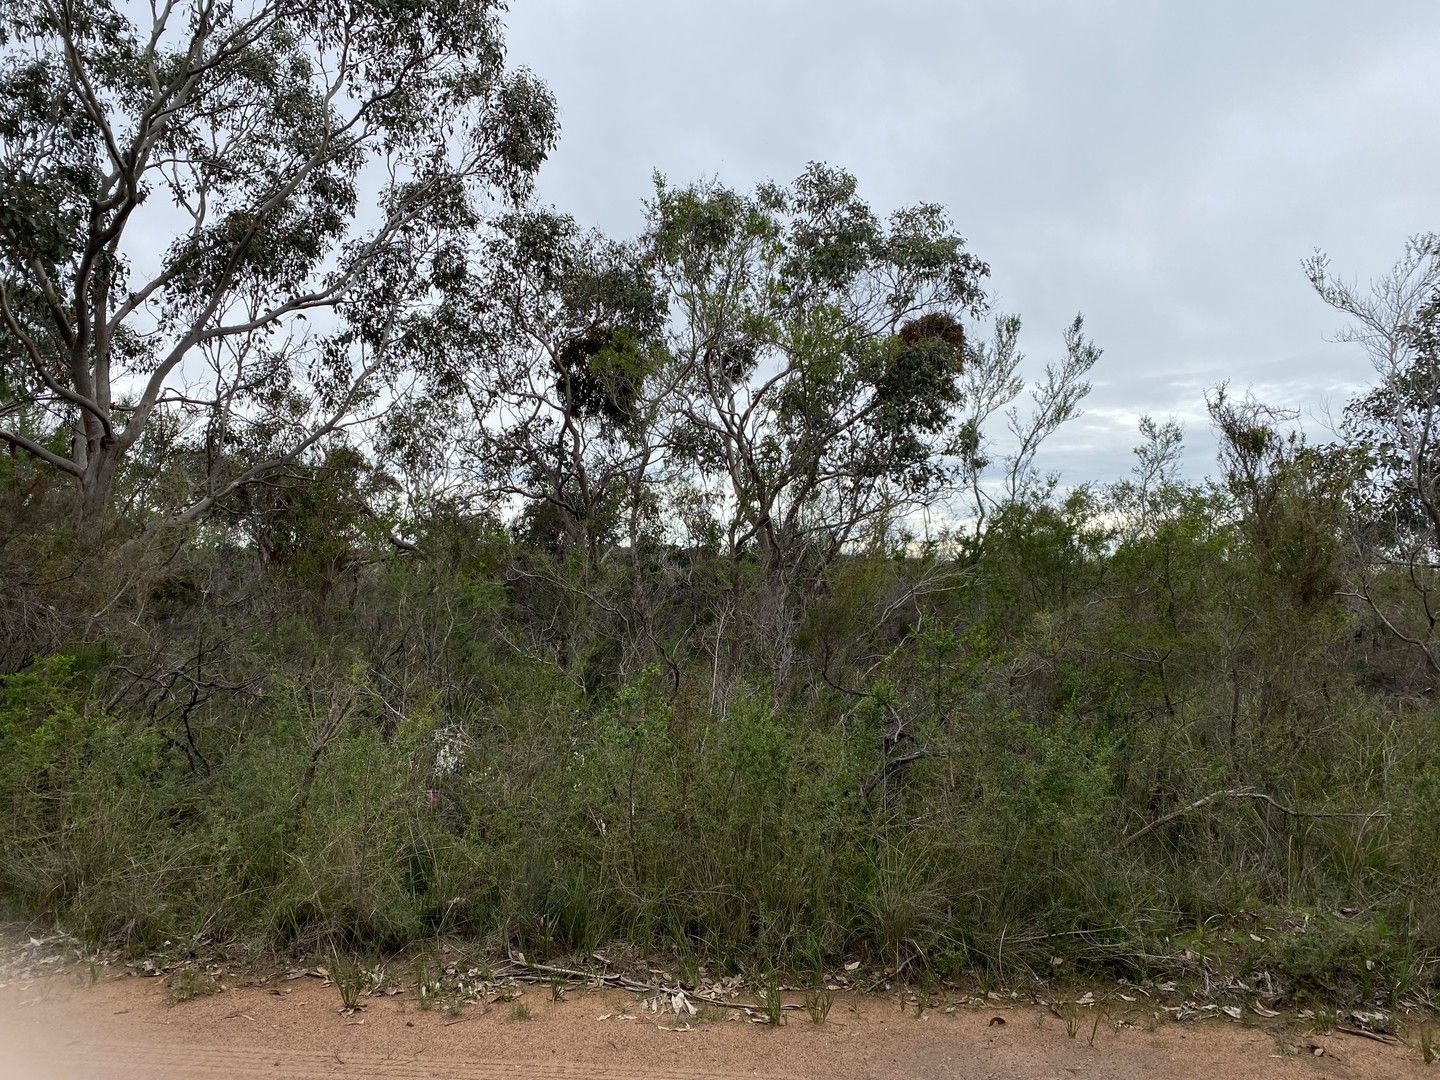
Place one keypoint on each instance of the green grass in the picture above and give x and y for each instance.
(818, 1002)
(772, 1005)
(350, 978)
(188, 982)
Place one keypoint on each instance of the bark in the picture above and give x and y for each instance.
(93, 490)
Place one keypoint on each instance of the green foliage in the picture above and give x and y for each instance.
(615, 627)
(403, 767)
(189, 982)
(350, 978)
(39, 722)
(253, 134)
(1339, 959)
(772, 1005)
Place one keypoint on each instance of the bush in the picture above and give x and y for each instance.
(936, 768)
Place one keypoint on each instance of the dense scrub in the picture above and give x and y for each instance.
(384, 556)
(390, 746)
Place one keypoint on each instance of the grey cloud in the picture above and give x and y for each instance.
(1162, 167)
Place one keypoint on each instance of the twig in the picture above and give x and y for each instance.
(1247, 793)
(623, 983)
(1388, 1040)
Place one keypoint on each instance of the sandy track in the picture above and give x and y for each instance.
(123, 1028)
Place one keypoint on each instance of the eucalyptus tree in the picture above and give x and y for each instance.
(831, 383)
(823, 349)
(567, 424)
(568, 388)
(1000, 468)
(835, 384)
(236, 220)
(819, 350)
(1391, 441)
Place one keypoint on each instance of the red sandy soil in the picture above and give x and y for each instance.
(124, 1027)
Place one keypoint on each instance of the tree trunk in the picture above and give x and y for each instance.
(93, 501)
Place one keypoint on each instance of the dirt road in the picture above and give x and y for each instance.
(125, 1028)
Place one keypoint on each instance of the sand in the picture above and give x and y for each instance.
(125, 1027)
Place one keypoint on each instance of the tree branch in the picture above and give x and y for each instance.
(1244, 793)
(33, 448)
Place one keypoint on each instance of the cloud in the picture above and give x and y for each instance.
(1161, 167)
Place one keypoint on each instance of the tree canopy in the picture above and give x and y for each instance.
(235, 221)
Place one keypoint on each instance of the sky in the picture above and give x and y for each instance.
(1162, 168)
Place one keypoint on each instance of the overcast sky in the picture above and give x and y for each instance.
(1161, 167)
